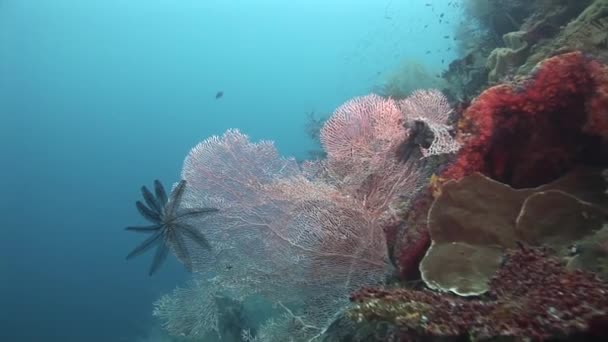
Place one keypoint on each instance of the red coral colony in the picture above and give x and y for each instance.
(523, 134)
(532, 296)
(533, 132)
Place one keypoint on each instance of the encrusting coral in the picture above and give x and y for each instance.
(532, 297)
(504, 59)
(568, 25)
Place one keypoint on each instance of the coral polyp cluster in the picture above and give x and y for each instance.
(532, 297)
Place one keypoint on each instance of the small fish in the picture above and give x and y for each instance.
(219, 95)
(428, 51)
(427, 25)
(442, 61)
(446, 37)
(441, 15)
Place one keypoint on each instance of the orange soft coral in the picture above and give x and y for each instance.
(532, 132)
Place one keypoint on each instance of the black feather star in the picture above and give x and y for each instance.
(168, 229)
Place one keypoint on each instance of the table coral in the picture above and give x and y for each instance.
(474, 220)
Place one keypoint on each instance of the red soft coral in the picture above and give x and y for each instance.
(532, 297)
(532, 132)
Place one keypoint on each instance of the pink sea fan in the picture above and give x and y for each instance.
(362, 139)
(361, 133)
(279, 232)
(310, 234)
(427, 105)
(431, 107)
(233, 168)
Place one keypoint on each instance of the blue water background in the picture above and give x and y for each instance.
(100, 97)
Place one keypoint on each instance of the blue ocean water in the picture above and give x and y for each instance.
(98, 97)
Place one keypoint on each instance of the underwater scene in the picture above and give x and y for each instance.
(303, 170)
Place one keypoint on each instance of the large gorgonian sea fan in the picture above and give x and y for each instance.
(362, 140)
(432, 108)
(361, 134)
(303, 239)
(276, 233)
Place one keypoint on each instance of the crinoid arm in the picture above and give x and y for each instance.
(146, 245)
(192, 212)
(179, 248)
(145, 229)
(159, 257)
(151, 201)
(193, 234)
(175, 198)
(148, 213)
(159, 190)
